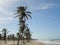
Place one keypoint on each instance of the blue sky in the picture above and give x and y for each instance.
(45, 22)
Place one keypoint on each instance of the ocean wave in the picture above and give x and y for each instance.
(49, 42)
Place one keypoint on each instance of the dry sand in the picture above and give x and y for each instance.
(26, 43)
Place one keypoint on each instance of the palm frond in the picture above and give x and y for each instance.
(26, 17)
(18, 11)
(29, 15)
(28, 12)
(17, 16)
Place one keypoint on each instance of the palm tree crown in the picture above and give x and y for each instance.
(22, 13)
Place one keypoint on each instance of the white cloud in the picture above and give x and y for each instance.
(6, 2)
(5, 19)
(5, 15)
(1, 20)
(42, 6)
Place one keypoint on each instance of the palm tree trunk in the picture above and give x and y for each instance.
(23, 38)
(18, 42)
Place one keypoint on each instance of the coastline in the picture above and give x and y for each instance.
(11, 42)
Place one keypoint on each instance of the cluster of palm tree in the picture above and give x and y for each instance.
(24, 31)
(23, 15)
(11, 37)
(6, 37)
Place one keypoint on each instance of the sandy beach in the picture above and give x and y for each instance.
(20, 43)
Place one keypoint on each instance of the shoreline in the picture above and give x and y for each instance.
(11, 42)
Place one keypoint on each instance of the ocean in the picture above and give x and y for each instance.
(50, 42)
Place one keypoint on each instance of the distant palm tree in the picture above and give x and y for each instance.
(5, 34)
(28, 34)
(12, 36)
(18, 36)
(0, 37)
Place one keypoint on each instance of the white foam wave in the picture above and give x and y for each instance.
(49, 42)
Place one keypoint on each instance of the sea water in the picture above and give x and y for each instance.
(50, 42)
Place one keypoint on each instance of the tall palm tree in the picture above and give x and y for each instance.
(23, 15)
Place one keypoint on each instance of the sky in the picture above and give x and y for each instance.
(45, 22)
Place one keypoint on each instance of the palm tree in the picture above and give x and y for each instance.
(27, 34)
(18, 38)
(5, 33)
(10, 37)
(13, 38)
(22, 15)
(0, 37)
